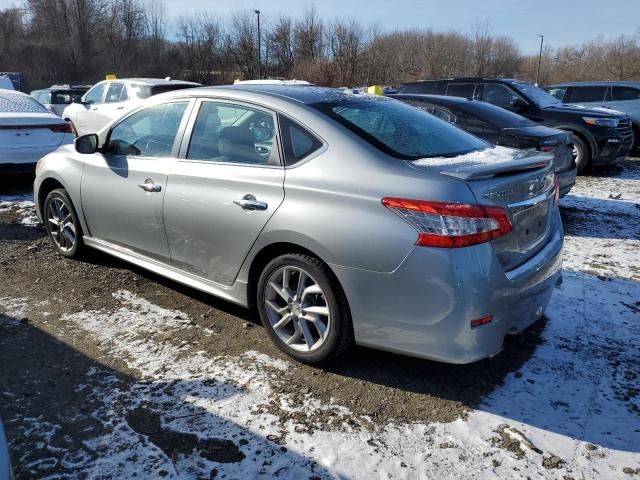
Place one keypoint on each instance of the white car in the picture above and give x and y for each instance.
(110, 99)
(27, 132)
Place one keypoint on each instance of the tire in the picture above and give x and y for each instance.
(58, 212)
(320, 298)
(582, 153)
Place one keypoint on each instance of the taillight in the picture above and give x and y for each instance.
(451, 225)
(547, 148)
(556, 193)
(60, 128)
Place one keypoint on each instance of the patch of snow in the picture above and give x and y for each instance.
(12, 310)
(493, 155)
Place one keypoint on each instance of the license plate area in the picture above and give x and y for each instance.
(531, 224)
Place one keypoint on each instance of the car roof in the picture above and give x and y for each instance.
(597, 83)
(441, 99)
(470, 79)
(152, 81)
(305, 94)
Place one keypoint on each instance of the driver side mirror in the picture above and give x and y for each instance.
(86, 144)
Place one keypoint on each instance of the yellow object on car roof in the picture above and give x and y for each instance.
(375, 90)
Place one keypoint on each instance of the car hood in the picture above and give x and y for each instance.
(585, 110)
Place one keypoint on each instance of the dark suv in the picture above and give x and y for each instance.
(600, 136)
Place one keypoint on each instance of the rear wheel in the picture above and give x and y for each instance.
(62, 223)
(581, 153)
(304, 309)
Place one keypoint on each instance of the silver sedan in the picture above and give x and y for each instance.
(342, 218)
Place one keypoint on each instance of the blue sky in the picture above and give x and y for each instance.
(561, 21)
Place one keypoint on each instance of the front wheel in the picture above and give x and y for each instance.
(62, 223)
(581, 153)
(304, 309)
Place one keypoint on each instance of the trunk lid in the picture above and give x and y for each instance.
(560, 141)
(29, 130)
(521, 182)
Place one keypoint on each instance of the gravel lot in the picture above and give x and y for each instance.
(108, 371)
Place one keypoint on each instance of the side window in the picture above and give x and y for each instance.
(557, 92)
(114, 93)
(587, 94)
(233, 134)
(461, 90)
(626, 93)
(95, 94)
(297, 141)
(124, 96)
(499, 95)
(150, 132)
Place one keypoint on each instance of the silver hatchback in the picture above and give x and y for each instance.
(342, 218)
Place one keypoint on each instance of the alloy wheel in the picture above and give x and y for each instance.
(61, 225)
(297, 308)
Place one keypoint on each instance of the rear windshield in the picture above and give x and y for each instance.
(65, 97)
(496, 116)
(536, 94)
(11, 101)
(400, 130)
(147, 91)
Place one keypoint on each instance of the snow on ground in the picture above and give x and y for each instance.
(571, 411)
(24, 205)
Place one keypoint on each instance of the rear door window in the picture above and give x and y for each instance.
(114, 93)
(461, 90)
(622, 94)
(586, 94)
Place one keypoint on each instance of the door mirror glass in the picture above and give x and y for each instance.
(87, 144)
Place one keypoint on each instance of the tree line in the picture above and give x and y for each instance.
(79, 41)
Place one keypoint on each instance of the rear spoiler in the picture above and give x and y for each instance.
(489, 170)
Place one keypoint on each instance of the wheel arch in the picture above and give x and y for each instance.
(267, 253)
(582, 133)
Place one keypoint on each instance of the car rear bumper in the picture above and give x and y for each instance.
(424, 308)
(24, 156)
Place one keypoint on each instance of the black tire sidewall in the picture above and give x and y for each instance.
(583, 153)
(327, 285)
(64, 196)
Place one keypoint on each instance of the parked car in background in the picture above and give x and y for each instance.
(15, 78)
(502, 127)
(5, 463)
(621, 96)
(110, 99)
(56, 98)
(600, 136)
(376, 193)
(27, 132)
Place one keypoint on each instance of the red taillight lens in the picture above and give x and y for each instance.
(547, 148)
(481, 321)
(451, 225)
(556, 193)
(60, 128)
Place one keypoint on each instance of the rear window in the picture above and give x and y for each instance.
(65, 97)
(11, 101)
(400, 130)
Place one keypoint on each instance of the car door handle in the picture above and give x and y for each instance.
(120, 108)
(249, 202)
(150, 186)
(94, 109)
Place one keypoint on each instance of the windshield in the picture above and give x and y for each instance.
(536, 94)
(496, 116)
(400, 130)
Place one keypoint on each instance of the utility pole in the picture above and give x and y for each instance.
(539, 58)
(257, 12)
